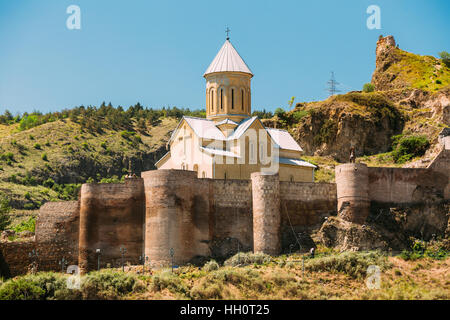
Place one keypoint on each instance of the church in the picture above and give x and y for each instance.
(230, 143)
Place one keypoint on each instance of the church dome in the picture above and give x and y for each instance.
(228, 60)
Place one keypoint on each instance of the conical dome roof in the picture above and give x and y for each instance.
(228, 59)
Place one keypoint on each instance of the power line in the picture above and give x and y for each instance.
(332, 85)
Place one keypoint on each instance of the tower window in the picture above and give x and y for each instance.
(232, 98)
(221, 98)
(242, 97)
(212, 100)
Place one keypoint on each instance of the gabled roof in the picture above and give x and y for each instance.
(296, 162)
(284, 139)
(228, 59)
(207, 129)
(227, 121)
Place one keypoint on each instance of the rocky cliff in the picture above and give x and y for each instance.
(411, 97)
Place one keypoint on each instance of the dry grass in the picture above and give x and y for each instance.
(281, 278)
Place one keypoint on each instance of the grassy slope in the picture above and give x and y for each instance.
(55, 140)
(420, 72)
(329, 276)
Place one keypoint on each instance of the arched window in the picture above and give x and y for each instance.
(232, 98)
(221, 99)
(225, 175)
(261, 152)
(291, 178)
(251, 148)
(203, 174)
(242, 99)
(212, 100)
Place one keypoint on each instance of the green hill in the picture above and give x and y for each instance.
(47, 157)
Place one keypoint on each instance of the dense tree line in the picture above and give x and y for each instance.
(96, 119)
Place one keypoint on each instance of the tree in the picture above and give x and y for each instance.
(368, 87)
(445, 56)
(5, 219)
(280, 113)
(291, 102)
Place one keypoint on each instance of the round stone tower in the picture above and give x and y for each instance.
(352, 182)
(266, 213)
(228, 92)
(169, 196)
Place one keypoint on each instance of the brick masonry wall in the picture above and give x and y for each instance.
(231, 218)
(405, 185)
(304, 206)
(111, 217)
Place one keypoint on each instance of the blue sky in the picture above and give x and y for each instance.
(156, 52)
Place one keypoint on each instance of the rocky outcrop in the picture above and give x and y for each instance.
(386, 56)
(364, 121)
(388, 227)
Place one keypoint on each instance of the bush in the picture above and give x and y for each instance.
(406, 148)
(37, 146)
(243, 259)
(445, 56)
(5, 219)
(44, 157)
(49, 183)
(168, 280)
(27, 225)
(108, 284)
(211, 266)
(368, 87)
(354, 264)
(298, 115)
(42, 286)
(420, 249)
(9, 156)
(21, 289)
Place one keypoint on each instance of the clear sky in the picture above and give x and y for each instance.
(156, 52)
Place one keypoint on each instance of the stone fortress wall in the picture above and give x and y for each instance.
(201, 218)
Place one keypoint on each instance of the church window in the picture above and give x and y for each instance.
(251, 148)
(221, 98)
(225, 175)
(203, 174)
(291, 178)
(261, 151)
(232, 98)
(212, 100)
(242, 99)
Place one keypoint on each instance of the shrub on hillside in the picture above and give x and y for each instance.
(41, 286)
(211, 266)
(368, 87)
(406, 148)
(26, 225)
(5, 219)
(168, 280)
(108, 284)
(354, 264)
(246, 258)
